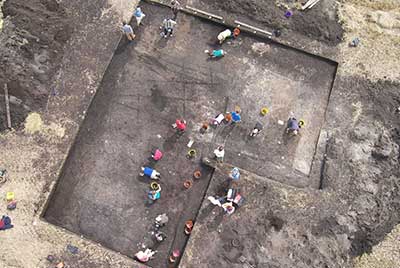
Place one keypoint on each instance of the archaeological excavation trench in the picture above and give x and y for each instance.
(151, 82)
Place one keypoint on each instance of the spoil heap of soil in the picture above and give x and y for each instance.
(31, 46)
(320, 22)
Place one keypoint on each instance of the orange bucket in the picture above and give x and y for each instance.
(187, 184)
(197, 174)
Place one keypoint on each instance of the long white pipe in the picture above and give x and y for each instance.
(309, 3)
(314, 4)
(205, 13)
(255, 29)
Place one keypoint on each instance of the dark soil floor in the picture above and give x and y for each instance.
(151, 82)
(35, 33)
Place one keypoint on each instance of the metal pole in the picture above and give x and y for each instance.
(254, 29)
(195, 10)
(7, 106)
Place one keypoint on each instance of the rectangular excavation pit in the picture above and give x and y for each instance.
(149, 84)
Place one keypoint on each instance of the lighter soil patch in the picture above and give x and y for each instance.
(376, 24)
(34, 124)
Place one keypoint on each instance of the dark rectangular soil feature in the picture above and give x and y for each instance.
(153, 81)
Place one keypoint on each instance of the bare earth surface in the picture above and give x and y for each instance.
(351, 222)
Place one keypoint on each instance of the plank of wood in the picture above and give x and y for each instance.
(195, 10)
(309, 3)
(7, 106)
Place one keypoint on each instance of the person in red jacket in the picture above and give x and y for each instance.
(180, 125)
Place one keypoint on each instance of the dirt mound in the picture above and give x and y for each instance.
(31, 47)
(320, 22)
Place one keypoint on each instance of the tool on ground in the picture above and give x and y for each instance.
(72, 249)
(288, 14)
(50, 258)
(355, 42)
(12, 205)
(190, 143)
(3, 176)
(10, 196)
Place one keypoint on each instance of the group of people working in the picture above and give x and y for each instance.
(233, 198)
(167, 26)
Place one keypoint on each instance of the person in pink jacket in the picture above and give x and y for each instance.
(157, 155)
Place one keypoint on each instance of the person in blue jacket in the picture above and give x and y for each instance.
(151, 173)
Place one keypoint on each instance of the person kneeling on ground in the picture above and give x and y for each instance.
(139, 15)
(223, 35)
(154, 195)
(216, 53)
(145, 256)
(128, 31)
(167, 27)
(256, 130)
(219, 153)
(293, 126)
(236, 117)
(151, 173)
(180, 125)
(156, 154)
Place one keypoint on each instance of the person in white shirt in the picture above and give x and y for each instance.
(219, 153)
(128, 31)
(145, 256)
(223, 35)
(168, 26)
